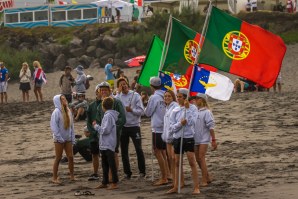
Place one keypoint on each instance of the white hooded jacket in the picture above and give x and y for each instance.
(60, 134)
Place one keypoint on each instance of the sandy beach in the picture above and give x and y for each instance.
(257, 154)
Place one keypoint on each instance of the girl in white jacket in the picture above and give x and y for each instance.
(63, 134)
(204, 134)
(171, 104)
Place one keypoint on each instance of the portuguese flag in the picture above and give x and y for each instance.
(182, 49)
(242, 49)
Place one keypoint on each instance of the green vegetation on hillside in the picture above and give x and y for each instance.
(13, 59)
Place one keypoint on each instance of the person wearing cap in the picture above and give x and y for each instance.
(134, 109)
(94, 145)
(109, 69)
(204, 134)
(66, 82)
(182, 121)
(105, 91)
(3, 82)
(156, 110)
(80, 80)
(79, 107)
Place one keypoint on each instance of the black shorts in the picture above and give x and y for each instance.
(157, 141)
(188, 145)
(25, 86)
(94, 147)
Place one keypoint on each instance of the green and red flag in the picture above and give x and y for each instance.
(150, 67)
(183, 46)
(246, 50)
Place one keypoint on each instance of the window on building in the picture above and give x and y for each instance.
(26, 16)
(90, 13)
(58, 16)
(12, 18)
(41, 15)
(74, 14)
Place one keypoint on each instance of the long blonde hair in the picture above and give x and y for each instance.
(37, 64)
(25, 64)
(205, 103)
(65, 115)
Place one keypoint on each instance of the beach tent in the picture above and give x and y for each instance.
(111, 3)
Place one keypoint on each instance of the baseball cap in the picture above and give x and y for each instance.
(184, 91)
(79, 68)
(202, 95)
(155, 81)
(104, 84)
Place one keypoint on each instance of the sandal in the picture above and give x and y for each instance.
(84, 193)
(77, 193)
(88, 193)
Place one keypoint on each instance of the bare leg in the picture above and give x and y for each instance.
(274, 87)
(69, 153)
(80, 111)
(195, 177)
(58, 156)
(200, 154)
(95, 162)
(1, 98)
(171, 160)
(162, 167)
(279, 87)
(176, 178)
(24, 96)
(167, 164)
(27, 96)
(40, 94)
(35, 93)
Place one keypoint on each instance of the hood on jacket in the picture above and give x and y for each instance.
(57, 101)
(113, 113)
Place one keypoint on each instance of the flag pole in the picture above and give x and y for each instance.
(200, 42)
(166, 44)
(196, 60)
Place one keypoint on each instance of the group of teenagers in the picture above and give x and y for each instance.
(112, 120)
(37, 79)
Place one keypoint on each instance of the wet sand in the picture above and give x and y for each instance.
(256, 157)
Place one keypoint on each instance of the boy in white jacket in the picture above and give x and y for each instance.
(107, 143)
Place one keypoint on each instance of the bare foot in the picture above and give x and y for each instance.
(196, 191)
(72, 178)
(113, 186)
(173, 190)
(161, 182)
(101, 186)
(56, 181)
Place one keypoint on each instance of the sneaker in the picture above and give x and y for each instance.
(142, 175)
(126, 177)
(93, 177)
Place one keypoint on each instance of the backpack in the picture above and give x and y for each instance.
(87, 84)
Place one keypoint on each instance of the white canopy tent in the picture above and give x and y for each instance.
(111, 3)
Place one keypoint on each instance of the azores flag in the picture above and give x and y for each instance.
(167, 82)
(213, 84)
